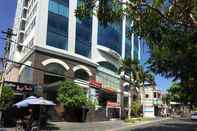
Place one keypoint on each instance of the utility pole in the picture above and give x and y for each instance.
(9, 33)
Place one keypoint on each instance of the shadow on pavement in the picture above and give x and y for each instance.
(51, 127)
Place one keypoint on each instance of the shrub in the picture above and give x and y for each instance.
(71, 95)
(135, 108)
(6, 97)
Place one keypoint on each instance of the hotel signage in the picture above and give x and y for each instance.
(19, 87)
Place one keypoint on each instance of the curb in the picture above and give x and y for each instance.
(138, 124)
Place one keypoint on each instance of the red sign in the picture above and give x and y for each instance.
(109, 90)
(95, 84)
(113, 104)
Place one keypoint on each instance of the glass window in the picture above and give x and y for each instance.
(83, 35)
(126, 88)
(110, 36)
(57, 34)
(108, 65)
(128, 45)
(55, 72)
(155, 95)
(136, 48)
(147, 95)
(81, 74)
(26, 75)
(108, 81)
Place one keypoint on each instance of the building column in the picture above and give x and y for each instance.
(72, 26)
(123, 32)
(139, 48)
(94, 35)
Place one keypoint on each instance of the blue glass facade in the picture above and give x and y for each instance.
(128, 45)
(128, 42)
(136, 46)
(57, 33)
(111, 36)
(83, 35)
(108, 66)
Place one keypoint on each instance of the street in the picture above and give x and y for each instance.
(167, 125)
(163, 125)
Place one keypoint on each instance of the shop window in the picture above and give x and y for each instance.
(103, 97)
(81, 74)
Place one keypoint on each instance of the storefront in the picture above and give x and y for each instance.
(105, 91)
(21, 90)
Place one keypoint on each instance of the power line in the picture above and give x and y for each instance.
(16, 43)
(36, 68)
(9, 33)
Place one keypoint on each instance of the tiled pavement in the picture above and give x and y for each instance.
(89, 126)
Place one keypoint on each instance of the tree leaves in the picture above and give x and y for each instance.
(71, 95)
(6, 97)
(158, 3)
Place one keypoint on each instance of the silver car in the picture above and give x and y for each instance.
(194, 116)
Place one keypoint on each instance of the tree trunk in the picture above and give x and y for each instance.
(129, 105)
(130, 101)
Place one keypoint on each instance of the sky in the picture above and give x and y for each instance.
(7, 13)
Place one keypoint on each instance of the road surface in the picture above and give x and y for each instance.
(168, 125)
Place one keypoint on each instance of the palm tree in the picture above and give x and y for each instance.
(137, 77)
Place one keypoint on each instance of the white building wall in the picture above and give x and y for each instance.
(40, 35)
(41, 23)
(72, 26)
(16, 27)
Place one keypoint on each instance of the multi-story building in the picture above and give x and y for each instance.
(151, 99)
(56, 45)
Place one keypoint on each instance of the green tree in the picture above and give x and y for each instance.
(71, 95)
(137, 77)
(136, 108)
(6, 98)
(177, 93)
(168, 27)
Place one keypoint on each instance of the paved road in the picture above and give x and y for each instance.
(168, 125)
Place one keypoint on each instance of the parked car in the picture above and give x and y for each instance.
(194, 116)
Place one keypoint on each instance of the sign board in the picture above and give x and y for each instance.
(19, 87)
(148, 108)
(112, 104)
(95, 84)
(109, 90)
(148, 111)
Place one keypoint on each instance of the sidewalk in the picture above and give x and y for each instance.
(93, 126)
